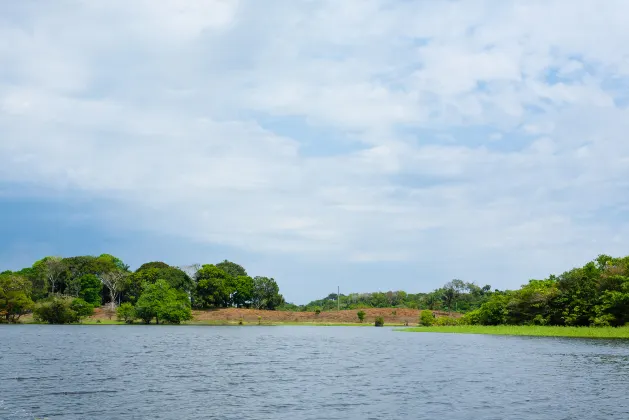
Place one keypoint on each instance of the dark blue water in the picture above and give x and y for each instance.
(153, 372)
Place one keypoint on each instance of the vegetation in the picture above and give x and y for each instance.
(596, 294)
(455, 295)
(426, 318)
(62, 290)
(361, 315)
(160, 301)
(62, 310)
(529, 330)
(65, 290)
(126, 313)
(379, 321)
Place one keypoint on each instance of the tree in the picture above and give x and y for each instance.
(162, 302)
(114, 281)
(243, 291)
(91, 289)
(54, 269)
(126, 313)
(361, 316)
(15, 299)
(153, 264)
(152, 272)
(426, 318)
(266, 293)
(62, 310)
(214, 287)
(232, 269)
(451, 292)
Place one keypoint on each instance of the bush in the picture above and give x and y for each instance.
(81, 308)
(126, 313)
(361, 315)
(426, 318)
(446, 321)
(317, 311)
(61, 310)
(162, 302)
(379, 321)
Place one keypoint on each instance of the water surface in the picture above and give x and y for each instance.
(162, 372)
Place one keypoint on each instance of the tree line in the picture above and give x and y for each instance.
(596, 294)
(455, 295)
(62, 290)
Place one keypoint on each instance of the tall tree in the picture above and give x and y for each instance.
(54, 269)
(214, 287)
(266, 293)
(114, 282)
(232, 269)
(15, 298)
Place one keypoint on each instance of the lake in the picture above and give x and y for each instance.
(299, 372)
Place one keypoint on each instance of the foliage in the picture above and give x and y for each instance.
(91, 289)
(15, 300)
(214, 287)
(81, 308)
(232, 269)
(317, 311)
(596, 294)
(361, 315)
(62, 310)
(426, 318)
(446, 320)
(266, 293)
(151, 272)
(163, 303)
(126, 312)
(379, 321)
(529, 330)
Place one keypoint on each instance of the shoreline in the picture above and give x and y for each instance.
(527, 331)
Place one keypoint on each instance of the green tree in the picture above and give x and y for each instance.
(91, 289)
(126, 312)
(214, 287)
(361, 316)
(232, 269)
(266, 293)
(150, 273)
(162, 302)
(62, 310)
(243, 291)
(426, 318)
(15, 299)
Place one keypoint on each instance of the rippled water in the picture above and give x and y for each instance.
(161, 372)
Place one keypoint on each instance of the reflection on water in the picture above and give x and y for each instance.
(138, 372)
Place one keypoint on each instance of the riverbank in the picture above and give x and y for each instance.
(393, 317)
(525, 330)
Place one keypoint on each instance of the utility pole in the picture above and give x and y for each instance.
(338, 297)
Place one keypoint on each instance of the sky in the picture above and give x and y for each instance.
(369, 144)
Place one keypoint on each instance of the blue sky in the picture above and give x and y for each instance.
(374, 145)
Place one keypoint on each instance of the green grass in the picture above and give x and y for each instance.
(525, 330)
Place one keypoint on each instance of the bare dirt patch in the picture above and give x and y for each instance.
(390, 315)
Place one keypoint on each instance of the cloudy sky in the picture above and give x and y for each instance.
(371, 144)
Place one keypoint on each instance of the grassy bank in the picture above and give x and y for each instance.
(525, 330)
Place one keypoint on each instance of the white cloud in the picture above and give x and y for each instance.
(160, 109)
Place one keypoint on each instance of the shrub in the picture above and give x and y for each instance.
(57, 310)
(379, 321)
(426, 318)
(361, 315)
(446, 321)
(259, 320)
(317, 311)
(126, 313)
(81, 308)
